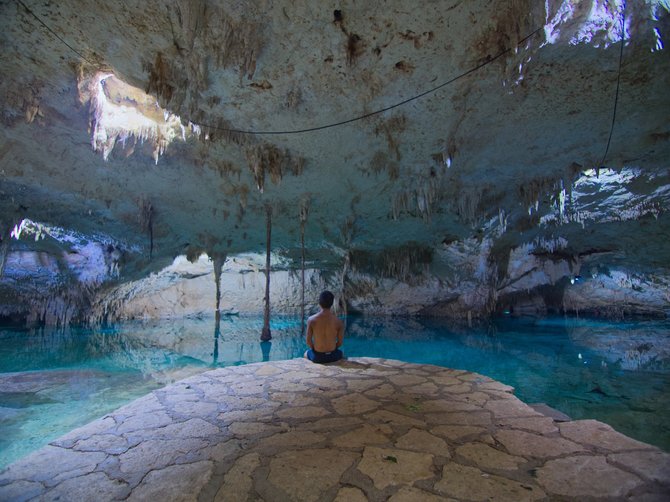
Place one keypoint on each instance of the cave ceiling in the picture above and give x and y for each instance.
(380, 125)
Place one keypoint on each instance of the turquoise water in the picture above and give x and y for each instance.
(52, 381)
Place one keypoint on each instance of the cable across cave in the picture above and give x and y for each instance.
(618, 82)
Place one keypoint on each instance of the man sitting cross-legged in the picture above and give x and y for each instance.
(325, 333)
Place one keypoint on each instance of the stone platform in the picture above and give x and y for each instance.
(363, 429)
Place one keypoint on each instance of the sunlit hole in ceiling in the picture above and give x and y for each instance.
(597, 22)
(121, 113)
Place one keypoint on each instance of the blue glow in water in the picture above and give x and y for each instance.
(52, 381)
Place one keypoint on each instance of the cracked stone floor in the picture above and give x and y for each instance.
(362, 429)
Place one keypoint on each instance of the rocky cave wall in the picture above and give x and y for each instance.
(479, 167)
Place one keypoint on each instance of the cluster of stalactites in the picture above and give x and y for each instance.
(600, 22)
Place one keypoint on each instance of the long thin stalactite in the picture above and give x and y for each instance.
(218, 261)
(266, 334)
(304, 210)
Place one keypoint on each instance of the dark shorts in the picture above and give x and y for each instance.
(324, 357)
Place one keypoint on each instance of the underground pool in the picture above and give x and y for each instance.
(54, 380)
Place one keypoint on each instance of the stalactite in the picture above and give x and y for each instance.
(348, 232)
(4, 252)
(408, 263)
(5, 238)
(218, 260)
(146, 221)
(304, 211)
(266, 334)
(343, 296)
(270, 159)
(151, 236)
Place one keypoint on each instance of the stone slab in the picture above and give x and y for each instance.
(470, 483)
(586, 476)
(307, 474)
(392, 466)
(600, 435)
(351, 431)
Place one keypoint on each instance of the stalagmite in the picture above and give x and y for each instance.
(265, 334)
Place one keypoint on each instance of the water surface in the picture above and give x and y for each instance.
(52, 381)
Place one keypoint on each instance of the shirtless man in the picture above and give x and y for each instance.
(325, 333)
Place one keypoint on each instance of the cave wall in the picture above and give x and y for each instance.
(532, 287)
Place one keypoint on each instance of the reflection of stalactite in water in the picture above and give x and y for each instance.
(265, 334)
(217, 335)
(265, 350)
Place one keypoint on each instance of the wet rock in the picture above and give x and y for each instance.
(594, 433)
(653, 465)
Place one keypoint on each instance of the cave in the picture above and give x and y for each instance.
(483, 186)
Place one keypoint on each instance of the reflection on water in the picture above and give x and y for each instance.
(54, 380)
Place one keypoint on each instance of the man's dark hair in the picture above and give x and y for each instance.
(326, 299)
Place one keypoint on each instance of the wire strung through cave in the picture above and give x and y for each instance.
(395, 105)
(618, 81)
(54, 33)
(488, 61)
(381, 110)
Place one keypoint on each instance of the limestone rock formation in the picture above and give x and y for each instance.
(452, 158)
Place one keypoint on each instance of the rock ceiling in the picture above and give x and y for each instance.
(391, 129)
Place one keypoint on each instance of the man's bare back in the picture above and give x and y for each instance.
(325, 332)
